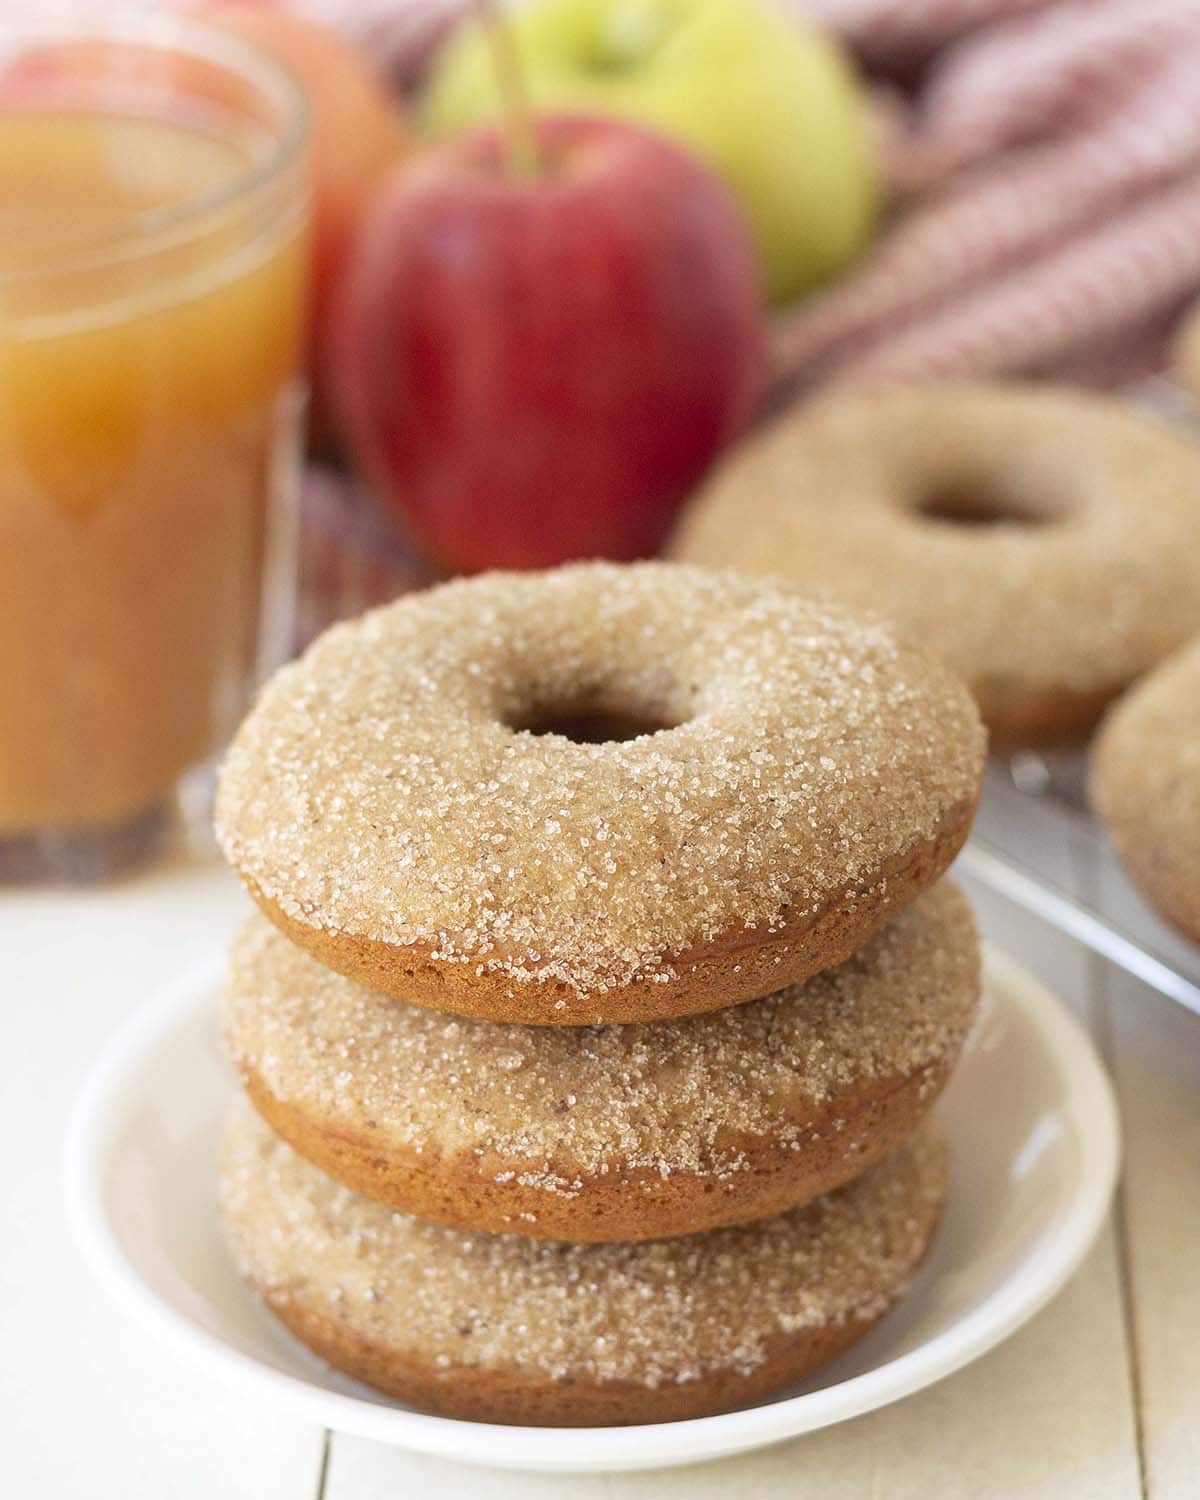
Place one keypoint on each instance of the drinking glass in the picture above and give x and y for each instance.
(153, 265)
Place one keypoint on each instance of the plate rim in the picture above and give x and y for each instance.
(93, 1124)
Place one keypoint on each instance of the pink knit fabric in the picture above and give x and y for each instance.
(1118, 277)
(1044, 158)
(1011, 214)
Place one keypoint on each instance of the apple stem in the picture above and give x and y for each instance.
(525, 156)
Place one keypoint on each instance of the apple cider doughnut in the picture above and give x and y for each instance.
(1145, 782)
(612, 1132)
(501, 1328)
(1045, 543)
(1186, 354)
(598, 794)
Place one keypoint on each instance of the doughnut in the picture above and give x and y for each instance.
(1145, 784)
(598, 794)
(1186, 354)
(608, 1133)
(502, 1328)
(1045, 543)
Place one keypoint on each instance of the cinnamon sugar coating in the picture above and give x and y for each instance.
(1090, 576)
(384, 789)
(616, 1132)
(1145, 783)
(441, 1310)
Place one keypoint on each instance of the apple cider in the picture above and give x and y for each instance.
(152, 269)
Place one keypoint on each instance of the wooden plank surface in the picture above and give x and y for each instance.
(1155, 1049)
(90, 1407)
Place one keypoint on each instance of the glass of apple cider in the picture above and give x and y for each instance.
(153, 215)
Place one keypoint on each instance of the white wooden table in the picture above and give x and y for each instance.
(1097, 1399)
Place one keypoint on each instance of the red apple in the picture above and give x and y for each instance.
(538, 366)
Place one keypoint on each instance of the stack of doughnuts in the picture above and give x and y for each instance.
(601, 984)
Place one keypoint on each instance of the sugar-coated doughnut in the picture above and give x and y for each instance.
(1145, 783)
(1044, 542)
(608, 1133)
(421, 801)
(502, 1328)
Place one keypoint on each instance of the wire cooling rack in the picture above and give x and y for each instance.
(1037, 844)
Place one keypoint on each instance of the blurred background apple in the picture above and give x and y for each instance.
(358, 133)
(772, 105)
(537, 365)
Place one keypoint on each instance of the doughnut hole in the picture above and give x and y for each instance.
(555, 687)
(607, 714)
(984, 500)
(598, 726)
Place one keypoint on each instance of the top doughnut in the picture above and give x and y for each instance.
(1045, 543)
(442, 799)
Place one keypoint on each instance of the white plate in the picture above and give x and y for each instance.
(1030, 1116)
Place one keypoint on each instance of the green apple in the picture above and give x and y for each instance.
(772, 105)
